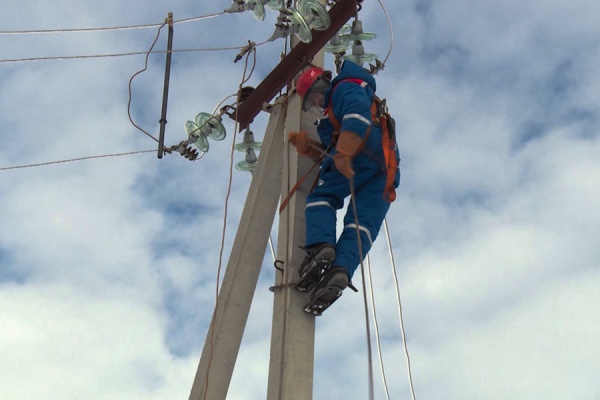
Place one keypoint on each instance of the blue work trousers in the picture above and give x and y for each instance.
(328, 197)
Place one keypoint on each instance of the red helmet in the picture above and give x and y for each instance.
(306, 79)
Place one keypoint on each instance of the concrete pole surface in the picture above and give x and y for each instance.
(293, 332)
(241, 276)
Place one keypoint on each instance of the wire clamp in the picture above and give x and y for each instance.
(184, 149)
(246, 49)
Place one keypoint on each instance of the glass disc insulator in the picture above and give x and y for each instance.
(197, 138)
(217, 130)
(300, 26)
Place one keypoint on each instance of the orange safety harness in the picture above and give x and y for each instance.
(380, 116)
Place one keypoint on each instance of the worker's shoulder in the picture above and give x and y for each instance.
(351, 72)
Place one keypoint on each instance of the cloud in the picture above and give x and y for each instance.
(108, 266)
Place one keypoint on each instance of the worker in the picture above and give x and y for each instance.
(354, 152)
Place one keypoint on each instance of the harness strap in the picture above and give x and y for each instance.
(391, 163)
(285, 201)
(379, 118)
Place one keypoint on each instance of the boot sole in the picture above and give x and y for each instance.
(324, 300)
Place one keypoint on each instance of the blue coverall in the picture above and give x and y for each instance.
(351, 104)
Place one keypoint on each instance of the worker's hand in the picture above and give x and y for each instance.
(348, 146)
(306, 146)
(300, 141)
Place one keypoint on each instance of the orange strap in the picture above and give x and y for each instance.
(285, 201)
(391, 163)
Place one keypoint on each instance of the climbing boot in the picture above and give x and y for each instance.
(318, 260)
(327, 291)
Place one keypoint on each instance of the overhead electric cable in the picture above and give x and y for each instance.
(135, 53)
(75, 159)
(180, 21)
(104, 29)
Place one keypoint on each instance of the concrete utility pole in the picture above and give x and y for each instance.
(278, 169)
(293, 331)
(241, 276)
(292, 337)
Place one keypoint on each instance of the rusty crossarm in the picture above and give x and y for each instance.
(289, 67)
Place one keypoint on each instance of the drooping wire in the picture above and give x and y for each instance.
(75, 159)
(105, 29)
(131, 80)
(387, 15)
(221, 102)
(402, 330)
(376, 326)
(226, 207)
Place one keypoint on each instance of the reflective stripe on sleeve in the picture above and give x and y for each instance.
(358, 117)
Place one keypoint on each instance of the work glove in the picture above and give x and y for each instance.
(348, 146)
(306, 146)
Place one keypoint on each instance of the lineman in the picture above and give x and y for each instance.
(353, 140)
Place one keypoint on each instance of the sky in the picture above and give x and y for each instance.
(108, 265)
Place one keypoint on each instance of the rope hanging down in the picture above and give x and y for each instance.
(364, 284)
(402, 330)
(376, 326)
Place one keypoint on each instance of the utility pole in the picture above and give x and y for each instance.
(293, 331)
(278, 169)
(241, 276)
(163, 116)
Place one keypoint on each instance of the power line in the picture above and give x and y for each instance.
(104, 29)
(20, 60)
(75, 159)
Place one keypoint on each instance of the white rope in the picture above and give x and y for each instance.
(376, 325)
(410, 381)
(364, 284)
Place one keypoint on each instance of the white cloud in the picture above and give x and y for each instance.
(73, 344)
(108, 267)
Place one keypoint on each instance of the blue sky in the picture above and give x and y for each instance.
(108, 266)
